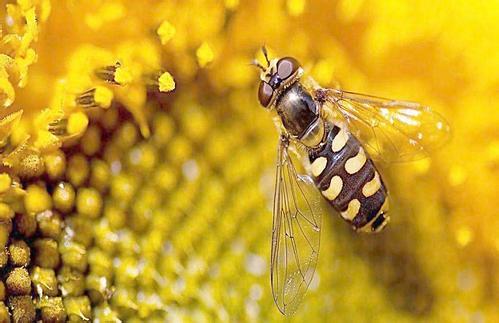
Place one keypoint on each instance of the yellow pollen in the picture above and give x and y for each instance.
(204, 54)
(77, 123)
(103, 96)
(123, 76)
(166, 82)
(166, 31)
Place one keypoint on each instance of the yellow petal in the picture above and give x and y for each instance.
(8, 122)
(7, 94)
(45, 141)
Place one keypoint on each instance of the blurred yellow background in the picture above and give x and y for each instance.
(141, 165)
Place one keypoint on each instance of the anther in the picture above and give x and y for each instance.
(96, 97)
(116, 74)
(58, 127)
(74, 124)
(162, 81)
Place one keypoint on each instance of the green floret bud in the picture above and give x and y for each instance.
(26, 224)
(51, 309)
(46, 253)
(80, 229)
(64, 197)
(44, 281)
(78, 308)
(77, 170)
(71, 282)
(19, 253)
(100, 262)
(98, 288)
(55, 164)
(18, 282)
(37, 199)
(124, 301)
(74, 255)
(115, 215)
(89, 202)
(126, 136)
(91, 141)
(49, 224)
(22, 308)
(100, 175)
(104, 313)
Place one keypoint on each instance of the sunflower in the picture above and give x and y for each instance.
(136, 166)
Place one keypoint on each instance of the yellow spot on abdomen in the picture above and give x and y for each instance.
(354, 164)
(372, 186)
(334, 189)
(352, 210)
(339, 141)
(318, 166)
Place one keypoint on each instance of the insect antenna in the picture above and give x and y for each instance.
(266, 54)
(257, 64)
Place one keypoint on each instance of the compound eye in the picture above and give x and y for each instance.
(286, 67)
(265, 92)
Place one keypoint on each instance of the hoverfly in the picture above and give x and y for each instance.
(338, 135)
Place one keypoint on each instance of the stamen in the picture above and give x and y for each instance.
(162, 81)
(116, 74)
(166, 31)
(58, 127)
(96, 97)
(75, 124)
(205, 54)
(86, 99)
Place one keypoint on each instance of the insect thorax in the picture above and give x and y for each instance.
(300, 115)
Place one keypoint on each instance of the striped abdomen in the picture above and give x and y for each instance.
(349, 181)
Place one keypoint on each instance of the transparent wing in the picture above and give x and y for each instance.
(391, 130)
(295, 233)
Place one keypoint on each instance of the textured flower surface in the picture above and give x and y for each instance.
(136, 164)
